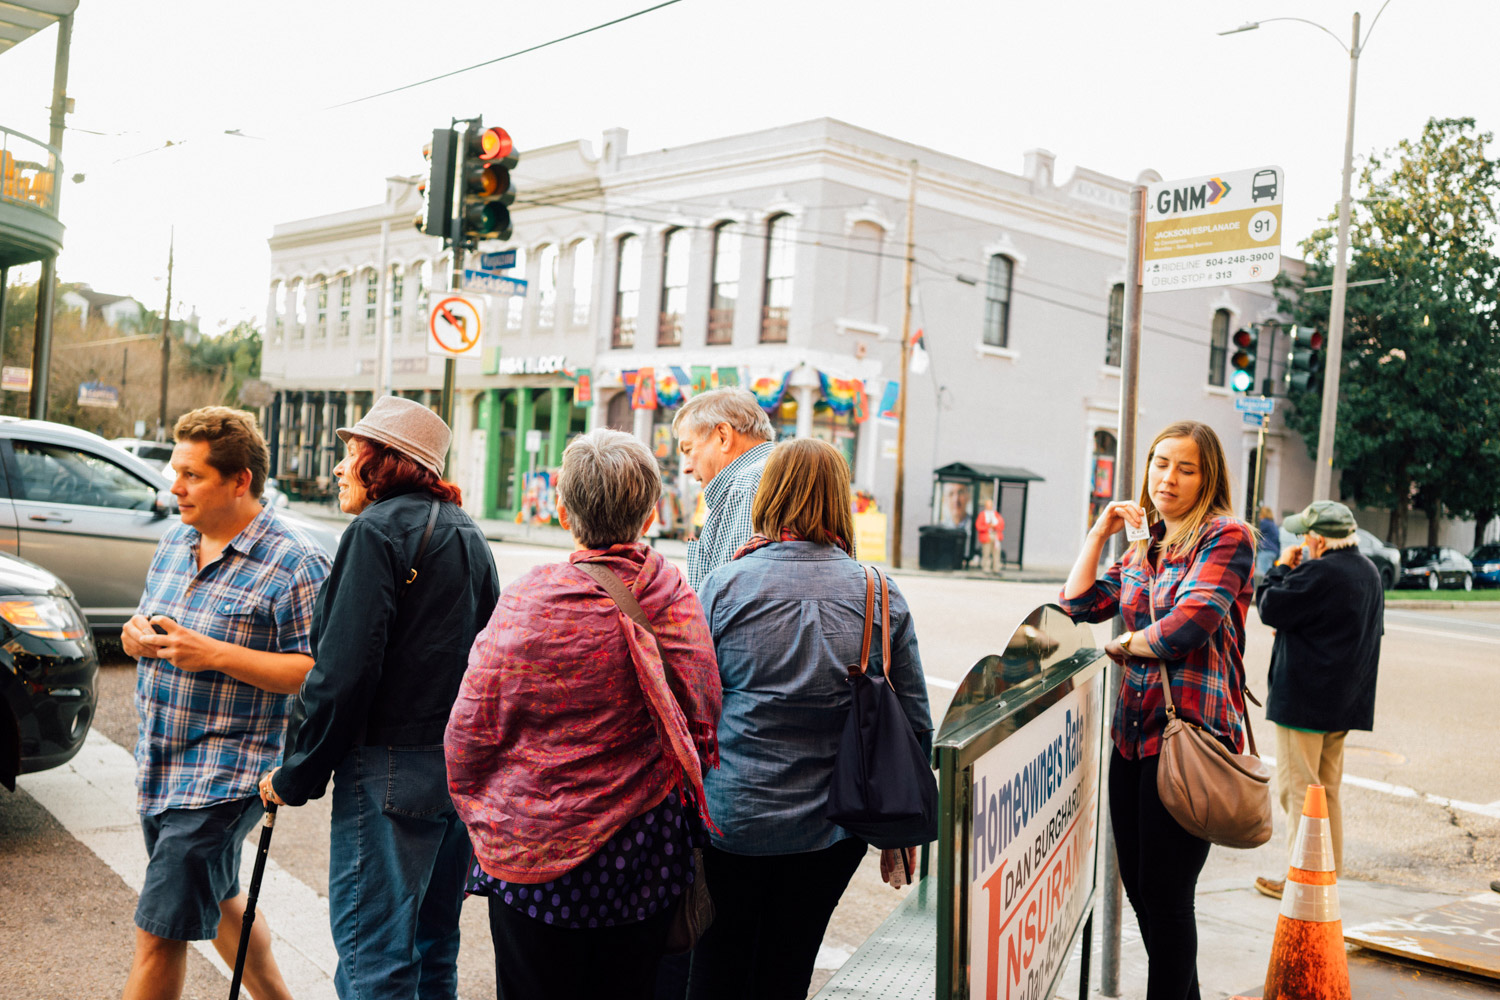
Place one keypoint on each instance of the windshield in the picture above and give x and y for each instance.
(1420, 553)
(1486, 553)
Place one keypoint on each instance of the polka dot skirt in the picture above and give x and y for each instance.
(638, 872)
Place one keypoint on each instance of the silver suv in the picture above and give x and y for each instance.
(91, 513)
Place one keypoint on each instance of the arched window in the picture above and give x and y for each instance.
(726, 283)
(1115, 336)
(346, 300)
(674, 279)
(546, 287)
(395, 283)
(421, 301)
(371, 282)
(274, 318)
(997, 301)
(1218, 346)
(862, 265)
(781, 234)
(297, 295)
(627, 290)
(583, 281)
(515, 305)
(320, 293)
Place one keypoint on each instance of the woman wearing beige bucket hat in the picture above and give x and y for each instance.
(412, 584)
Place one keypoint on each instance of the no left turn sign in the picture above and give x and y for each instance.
(454, 327)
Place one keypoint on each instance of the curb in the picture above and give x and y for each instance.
(1417, 605)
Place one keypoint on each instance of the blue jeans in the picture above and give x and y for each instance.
(396, 870)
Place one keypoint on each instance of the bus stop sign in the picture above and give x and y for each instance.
(1222, 229)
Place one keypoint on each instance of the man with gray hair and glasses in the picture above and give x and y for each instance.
(725, 438)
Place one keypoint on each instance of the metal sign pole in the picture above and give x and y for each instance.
(1130, 370)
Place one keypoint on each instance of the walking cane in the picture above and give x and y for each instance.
(249, 918)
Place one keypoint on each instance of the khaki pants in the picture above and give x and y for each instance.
(993, 558)
(1304, 759)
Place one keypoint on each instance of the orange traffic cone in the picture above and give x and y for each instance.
(1307, 957)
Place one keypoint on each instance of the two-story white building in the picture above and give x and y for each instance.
(775, 259)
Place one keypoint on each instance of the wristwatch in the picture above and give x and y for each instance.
(1125, 638)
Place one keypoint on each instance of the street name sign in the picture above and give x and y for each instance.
(454, 327)
(1256, 419)
(1255, 404)
(1220, 229)
(502, 260)
(492, 284)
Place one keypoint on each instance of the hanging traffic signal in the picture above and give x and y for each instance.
(1243, 360)
(488, 155)
(1304, 370)
(437, 187)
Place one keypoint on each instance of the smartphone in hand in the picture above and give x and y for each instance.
(157, 626)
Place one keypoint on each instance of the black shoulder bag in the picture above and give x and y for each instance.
(883, 790)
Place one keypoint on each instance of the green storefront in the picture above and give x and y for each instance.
(506, 416)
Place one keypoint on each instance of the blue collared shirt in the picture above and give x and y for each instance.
(206, 737)
(787, 621)
(728, 498)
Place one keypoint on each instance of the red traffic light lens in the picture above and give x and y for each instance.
(495, 144)
(1315, 341)
(1244, 338)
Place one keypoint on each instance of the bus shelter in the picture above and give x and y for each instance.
(959, 491)
(1020, 761)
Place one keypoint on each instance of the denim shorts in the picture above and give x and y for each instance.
(194, 866)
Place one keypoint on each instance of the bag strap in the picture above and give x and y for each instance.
(885, 634)
(864, 643)
(619, 593)
(411, 574)
(871, 574)
(1166, 689)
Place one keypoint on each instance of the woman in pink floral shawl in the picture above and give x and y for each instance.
(577, 746)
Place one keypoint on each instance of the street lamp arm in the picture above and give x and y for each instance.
(1315, 24)
(1371, 29)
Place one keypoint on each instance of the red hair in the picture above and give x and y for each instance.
(383, 470)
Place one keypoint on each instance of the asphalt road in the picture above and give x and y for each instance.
(1422, 796)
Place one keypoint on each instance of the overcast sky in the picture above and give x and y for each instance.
(1113, 86)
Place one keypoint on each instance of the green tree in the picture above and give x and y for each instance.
(233, 354)
(1419, 396)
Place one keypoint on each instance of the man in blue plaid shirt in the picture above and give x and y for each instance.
(221, 636)
(725, 438)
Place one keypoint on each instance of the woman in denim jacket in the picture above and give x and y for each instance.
(787, 615)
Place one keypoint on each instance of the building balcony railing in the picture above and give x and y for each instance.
(29, 172)
(773, 324)
(624, 332)
(721, 326)
(669, 332)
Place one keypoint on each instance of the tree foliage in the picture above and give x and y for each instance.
(1419, 396)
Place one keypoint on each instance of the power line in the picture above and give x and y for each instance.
(509, 55)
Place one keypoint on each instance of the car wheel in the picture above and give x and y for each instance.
(1432, 581)
(1468, 581)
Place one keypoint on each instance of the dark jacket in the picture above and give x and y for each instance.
(1329, 615)
(388, 662)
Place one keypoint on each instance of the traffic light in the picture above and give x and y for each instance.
(1304, 370)
(437, 187)
(1243, 360)
(488, 154)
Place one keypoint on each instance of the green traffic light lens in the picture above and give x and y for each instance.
(1241, 381)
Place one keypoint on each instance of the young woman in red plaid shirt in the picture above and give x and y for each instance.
(1182, 593)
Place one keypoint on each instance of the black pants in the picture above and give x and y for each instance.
(771, 912)
(536, 961)
(1159, 864)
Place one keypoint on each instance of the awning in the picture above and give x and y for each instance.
(976, 470)
(20, 19)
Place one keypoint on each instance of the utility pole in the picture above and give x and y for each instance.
(1328, 423)
(166, 341)
(46, 289)
(898, 505)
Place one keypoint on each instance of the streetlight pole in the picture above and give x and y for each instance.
(1328, 421)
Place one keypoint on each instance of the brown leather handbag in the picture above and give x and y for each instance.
(1218, 796)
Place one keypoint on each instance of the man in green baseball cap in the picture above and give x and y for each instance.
(1328, 611)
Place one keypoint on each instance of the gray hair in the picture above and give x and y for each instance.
(609, 484)
(1347, 541)
(730, 405)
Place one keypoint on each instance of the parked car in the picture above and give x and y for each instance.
(1387, 558)
(157, 453)
(1486, 560)
(92, 513)
(1433, 566)
(48, 670)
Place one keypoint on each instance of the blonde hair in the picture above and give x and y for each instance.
(1213, 495)
(805, 491)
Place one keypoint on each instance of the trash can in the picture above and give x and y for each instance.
(940, 547)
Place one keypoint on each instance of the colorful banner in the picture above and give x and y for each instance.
(769, 390)
(644, 396)
(841, 394)
(669, 390)
(583, 389)
(729, 376)
(704, 379)
(888, 400)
